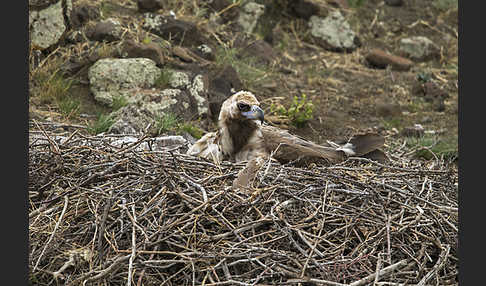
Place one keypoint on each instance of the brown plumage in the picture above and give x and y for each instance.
(242, 137)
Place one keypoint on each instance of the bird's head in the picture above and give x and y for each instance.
(242, 105)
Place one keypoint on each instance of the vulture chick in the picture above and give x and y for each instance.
(242, 136)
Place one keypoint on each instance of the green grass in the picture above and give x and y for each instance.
(107, 9)
(163, 80)
(299, 112)
(446, 4)
(69, 106)
(356, 3)
(194, 131)
(169, 123)
(103, 122)
(166, 123)
(394, 122)
(119, 102)
(432, 146)
(51, 87)
(247, 67)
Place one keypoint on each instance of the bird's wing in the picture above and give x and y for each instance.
(377, 155)
(365, 143)
(287, 147)
(207, 147)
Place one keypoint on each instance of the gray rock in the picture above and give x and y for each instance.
(108, 30)
(419, 48)
(83, 13)
(46, 26)
(333, 32)
(110, 78)
(179, 32)
(205, 49)
(153, 51)
(198, 91)
(146, 106)
(149, 5)
(413, 131)
(130, 120)
(179, 79)
(249, 16)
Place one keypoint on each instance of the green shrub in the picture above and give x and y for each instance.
(299, 112)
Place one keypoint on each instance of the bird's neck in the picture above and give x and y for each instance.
(235, 134)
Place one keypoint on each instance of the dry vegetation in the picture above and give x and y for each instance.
(106, 213)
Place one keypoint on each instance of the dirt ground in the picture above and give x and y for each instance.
(348, 95)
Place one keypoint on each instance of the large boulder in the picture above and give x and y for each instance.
(223, 82)
(150, 105)
(249, 15)
(153, 51)
(179, 32)
(333, 32)
(108, 30)
(419, 48)
(110, 78)
(83, 13)
(47, 22)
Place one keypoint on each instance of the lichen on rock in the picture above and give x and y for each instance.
(197, 90)
(333, 32)
(48, 25)
(249, 16)
(114, 77)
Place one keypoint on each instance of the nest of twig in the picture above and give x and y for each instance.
(149, 215)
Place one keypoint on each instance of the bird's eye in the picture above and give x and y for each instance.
(243, 107)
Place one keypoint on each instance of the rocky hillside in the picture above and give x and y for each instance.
(323, 69)
(120, 88)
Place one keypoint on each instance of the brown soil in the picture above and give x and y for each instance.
(348, 95)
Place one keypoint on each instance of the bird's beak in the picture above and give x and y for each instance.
(255, 113)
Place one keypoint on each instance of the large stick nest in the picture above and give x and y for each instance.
(101, 211)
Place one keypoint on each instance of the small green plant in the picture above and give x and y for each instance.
(194, 131)
(147, 40)
(165, 123)
(68, 105)
(164, 78)
(103, 122)
(390, 123)
(424, 77)
(299, 112)
(247, 67)
(356, 3)
(119, 102)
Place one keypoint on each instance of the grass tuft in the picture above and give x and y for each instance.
(103, 122)
(430, 146)
(166, 123)
(163, 80)
(119, 102)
